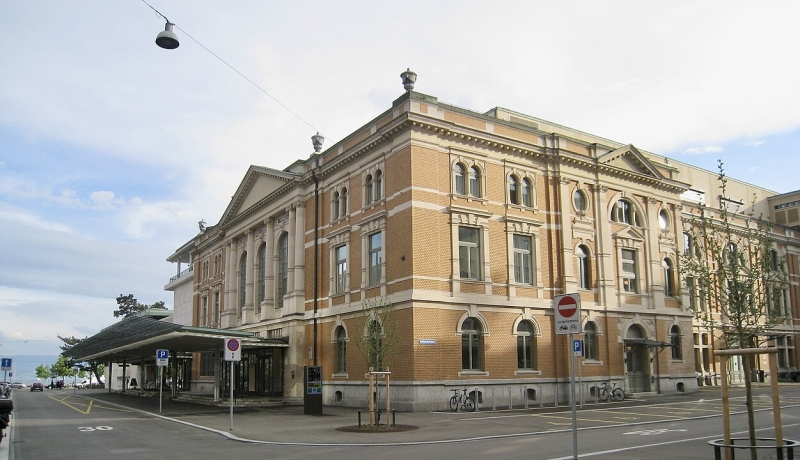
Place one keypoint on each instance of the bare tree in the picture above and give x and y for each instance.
(731, 260)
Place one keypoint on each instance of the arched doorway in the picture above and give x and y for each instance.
(637, 360)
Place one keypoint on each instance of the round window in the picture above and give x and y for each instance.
(663, 219)
(579, 200)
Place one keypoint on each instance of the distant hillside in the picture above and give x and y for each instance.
(24, 367)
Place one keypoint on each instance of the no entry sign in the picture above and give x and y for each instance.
(567, 310)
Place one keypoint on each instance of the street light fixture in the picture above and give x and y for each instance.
(167, 39)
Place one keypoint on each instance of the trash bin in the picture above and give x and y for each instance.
(760, 376)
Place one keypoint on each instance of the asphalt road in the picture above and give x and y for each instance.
(66, 425)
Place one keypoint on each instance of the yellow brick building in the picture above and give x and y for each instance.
(468, 224)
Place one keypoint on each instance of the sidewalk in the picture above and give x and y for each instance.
(288, 425)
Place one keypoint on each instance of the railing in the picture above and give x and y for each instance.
(788, 446)
(182, 274)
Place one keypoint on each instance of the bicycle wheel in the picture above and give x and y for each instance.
(602, 394)
(469, 404)
(454, 403)
(618, 394)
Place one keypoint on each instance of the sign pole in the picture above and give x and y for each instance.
(160, 387)
(567, 313)
(231, 391)
(572, 398)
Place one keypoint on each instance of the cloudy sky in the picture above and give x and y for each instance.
(112, 149)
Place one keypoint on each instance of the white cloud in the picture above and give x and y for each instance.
(702, 150)
(755, 143)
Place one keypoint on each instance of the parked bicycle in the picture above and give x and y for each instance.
(461, 400)
(610, 389)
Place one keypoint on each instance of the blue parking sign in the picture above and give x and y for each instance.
(162, 354)
(577, 347)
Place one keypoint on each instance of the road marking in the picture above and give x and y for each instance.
(651, 432)
(89, 406)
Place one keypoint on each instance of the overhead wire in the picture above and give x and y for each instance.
(237, 71)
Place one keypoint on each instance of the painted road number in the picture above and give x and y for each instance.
(94, 428)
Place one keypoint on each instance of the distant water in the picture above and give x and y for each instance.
(23, 367)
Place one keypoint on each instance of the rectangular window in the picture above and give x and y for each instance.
(375, 258)
(469, 253)
(216, 309)
(341, 269)
(523, 259)
(629, 282)
(204, 313)
(207, 364)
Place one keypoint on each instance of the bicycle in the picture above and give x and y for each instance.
(607, 389)
(461, 399)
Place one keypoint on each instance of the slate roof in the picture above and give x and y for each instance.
(139, 337)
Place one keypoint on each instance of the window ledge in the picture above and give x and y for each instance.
(527, 372)
(339, 376)
(473, 374)
(592, 362)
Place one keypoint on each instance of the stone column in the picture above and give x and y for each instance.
(567, 253)
(229, 312)
(300, 252)
(248, 311)
(269, 281)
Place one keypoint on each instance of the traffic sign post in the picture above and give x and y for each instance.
(567, 309)
(567, 312)
(162, 359)
(233, 352)
(6, 366)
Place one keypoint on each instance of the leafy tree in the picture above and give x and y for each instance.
(377, 336)
(740, 276)
(94, 367)
(62, 367)
(43, 371)
(128, 306)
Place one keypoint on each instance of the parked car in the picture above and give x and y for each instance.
(18, 385)
(37, 386)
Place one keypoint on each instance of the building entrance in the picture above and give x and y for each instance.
(259, 373)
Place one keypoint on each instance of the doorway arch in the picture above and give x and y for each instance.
(637, 360)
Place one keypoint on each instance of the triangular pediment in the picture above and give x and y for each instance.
(258, 183)
(629, 233)
(629, 158)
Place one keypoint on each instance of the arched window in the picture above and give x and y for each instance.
(675, 341)
(341, 350)
(590, 341)
(688, 245)
(513, 186)
(461, 182)
(344, 202)
(378, 185)
(283, 267)
(471, 345)
(584, 267)
(368, 189)
(262, 275)
(625, 213)
(526, 346)
(335, 205)
(475, 182)
(669, 278)
(527, 192)
(242, 282)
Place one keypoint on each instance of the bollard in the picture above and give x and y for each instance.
(556, 396)
(394, 417)
(477, 407)
(541, 397)
(359, 420)
(525, 396)
(510, 400)
(494, 404)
